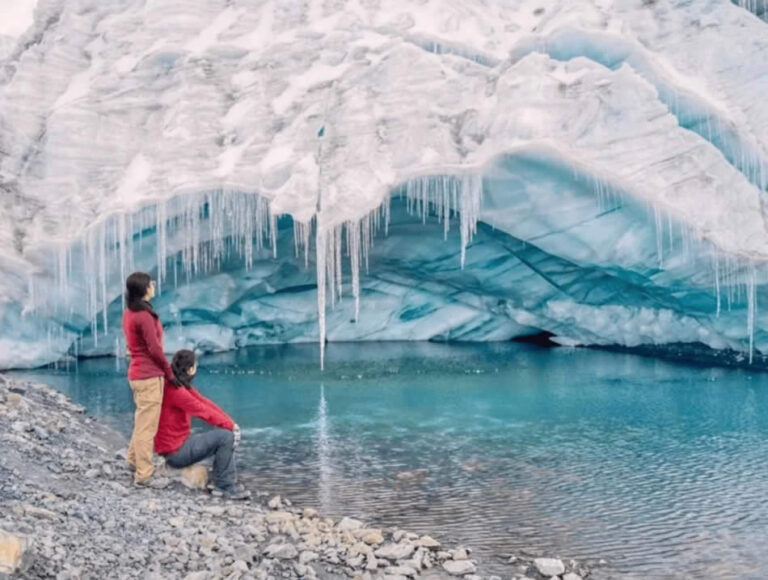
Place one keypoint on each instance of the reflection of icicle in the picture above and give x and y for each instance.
(323, 453)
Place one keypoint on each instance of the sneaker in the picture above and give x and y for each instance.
(238, 493)
(153, 482)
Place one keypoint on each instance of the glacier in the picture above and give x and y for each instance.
(419, 170)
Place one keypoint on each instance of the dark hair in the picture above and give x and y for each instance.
(136, 286)
(182, 361)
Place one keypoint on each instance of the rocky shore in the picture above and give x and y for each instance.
(68, 510)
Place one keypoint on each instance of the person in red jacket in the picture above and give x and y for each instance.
(181, 402)
(146, 372)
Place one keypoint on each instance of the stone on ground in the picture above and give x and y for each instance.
(459, 567)
(12, 550)
(549, 566)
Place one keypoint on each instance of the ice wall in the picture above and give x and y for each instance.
(170, 137)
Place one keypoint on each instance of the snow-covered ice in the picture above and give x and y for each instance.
(596, 169)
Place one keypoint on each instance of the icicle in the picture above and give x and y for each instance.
(160, 233)
(471, 196)
(273, 232)
(103, 276)
(659, 235)
(321, 255)
(717, 284)
(353, 244)
(337, 252)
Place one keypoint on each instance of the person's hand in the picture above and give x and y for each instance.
(236, 432)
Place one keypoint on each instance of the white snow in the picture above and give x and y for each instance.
(121, 106)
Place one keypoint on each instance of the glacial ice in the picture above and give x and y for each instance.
(444, 170)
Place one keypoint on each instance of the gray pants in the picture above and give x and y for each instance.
(217, 442)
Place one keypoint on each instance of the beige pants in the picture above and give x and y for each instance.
(148, 396)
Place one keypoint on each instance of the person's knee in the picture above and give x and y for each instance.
(225, 437)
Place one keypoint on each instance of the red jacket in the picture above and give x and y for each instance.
(144, 339)
(180, 404)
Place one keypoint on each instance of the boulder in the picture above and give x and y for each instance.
(195, 476)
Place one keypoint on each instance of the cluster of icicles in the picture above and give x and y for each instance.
(195, 234)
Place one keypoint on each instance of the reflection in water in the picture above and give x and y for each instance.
(323, 454)
(658, 468)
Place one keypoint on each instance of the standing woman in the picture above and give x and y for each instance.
(147, 371)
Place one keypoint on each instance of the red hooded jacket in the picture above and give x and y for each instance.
(144, 339)
(180, 404)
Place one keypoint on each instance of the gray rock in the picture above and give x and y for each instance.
(371, 562)
(401, 570)
(571, 576)
(349, 525)
(275, 503)
(395, 552)
(459, 567)
(549, 566)
(308, 556)
(281, 551)
(356, 561)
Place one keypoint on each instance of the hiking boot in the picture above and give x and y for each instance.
(238, 493)
(153, 482)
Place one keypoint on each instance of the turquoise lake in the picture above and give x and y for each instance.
(657, 467)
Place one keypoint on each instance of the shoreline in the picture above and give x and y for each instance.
(68, 510)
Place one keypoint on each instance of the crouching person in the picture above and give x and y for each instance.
(181, 402)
